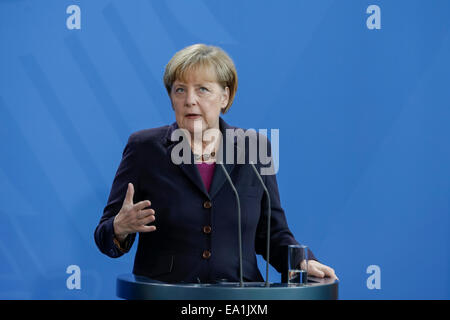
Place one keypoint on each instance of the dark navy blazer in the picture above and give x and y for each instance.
(180, 250)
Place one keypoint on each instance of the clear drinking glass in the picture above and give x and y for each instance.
(297, 264)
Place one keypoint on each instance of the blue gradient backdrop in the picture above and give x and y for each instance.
(364, 119)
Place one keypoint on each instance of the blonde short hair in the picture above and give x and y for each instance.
(197, 56)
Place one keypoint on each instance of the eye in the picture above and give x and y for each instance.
(178, 89)
(205, 89)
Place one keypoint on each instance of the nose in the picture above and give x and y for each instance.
(191, 98)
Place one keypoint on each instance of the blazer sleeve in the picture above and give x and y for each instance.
(280, 234)
(128, 171)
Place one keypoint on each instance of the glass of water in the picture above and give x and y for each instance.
(297, 264)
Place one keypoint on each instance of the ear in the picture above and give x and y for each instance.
(225, 97)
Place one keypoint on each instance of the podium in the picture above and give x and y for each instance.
(133, 287)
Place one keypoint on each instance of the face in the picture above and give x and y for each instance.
(198, 100)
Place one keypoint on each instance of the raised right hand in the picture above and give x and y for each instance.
(133, 218)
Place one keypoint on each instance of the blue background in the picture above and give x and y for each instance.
(363, 117)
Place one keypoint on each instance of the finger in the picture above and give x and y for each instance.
(303, 265)
(315, 272)
(146, 229)
(142, 204)
(329, 272)
(146, 220)
(324, 269)
(145, 213)
(130, 194)
(319, 274)
(332, 274)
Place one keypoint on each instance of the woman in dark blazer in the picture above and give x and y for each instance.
(178, 198)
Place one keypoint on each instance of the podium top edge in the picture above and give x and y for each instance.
(312, 282)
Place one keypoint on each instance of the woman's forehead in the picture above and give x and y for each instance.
(197, 74)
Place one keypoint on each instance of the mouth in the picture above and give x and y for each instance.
(193, 115)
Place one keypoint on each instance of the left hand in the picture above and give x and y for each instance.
(316, 269)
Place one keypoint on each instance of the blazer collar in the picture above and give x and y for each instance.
(191, 171)
(223, 126)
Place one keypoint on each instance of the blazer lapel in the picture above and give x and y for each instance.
(219, 176)
(189, 169)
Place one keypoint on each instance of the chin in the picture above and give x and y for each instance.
(190, 125)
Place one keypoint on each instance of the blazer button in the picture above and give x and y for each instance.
(207, 229)
(206, 254)
(207, 204)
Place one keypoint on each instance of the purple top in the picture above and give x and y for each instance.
(206, 172)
